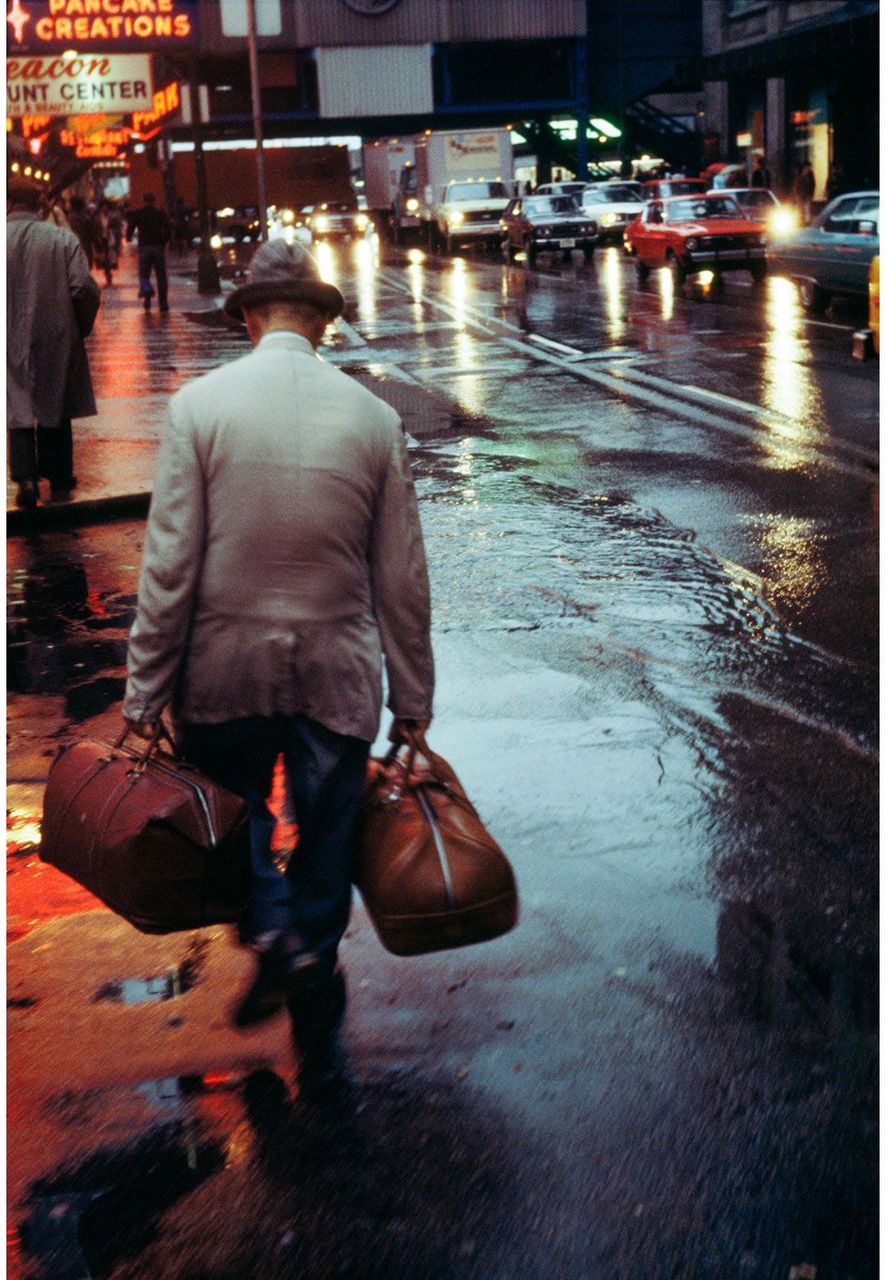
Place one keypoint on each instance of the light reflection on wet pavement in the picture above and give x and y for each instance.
(656, 647)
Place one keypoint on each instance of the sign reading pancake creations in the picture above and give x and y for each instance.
(79, 84)
(54, 26)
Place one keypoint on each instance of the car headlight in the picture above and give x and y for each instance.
(411, 205)
(691, 243)
(321, 222)
(456, 217)
(288, 216)
(609, 219)
(362, 221)
(216, 242)
(783, 221)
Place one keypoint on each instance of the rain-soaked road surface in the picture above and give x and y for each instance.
(651, 525)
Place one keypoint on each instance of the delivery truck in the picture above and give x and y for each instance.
(384, 159)
(458, 187)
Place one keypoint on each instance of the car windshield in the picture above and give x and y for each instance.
(670, 188)
(611, 195)
(760, 200)
(478, 191)
(549, 204)
(708, 207)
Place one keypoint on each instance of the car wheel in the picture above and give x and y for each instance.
(813, 298)
(587, 248)
(758, 270)
(531, 250)
(566, 255)
(642, 270)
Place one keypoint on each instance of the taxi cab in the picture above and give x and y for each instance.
(687, 234)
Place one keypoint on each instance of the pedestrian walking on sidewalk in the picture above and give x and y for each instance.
(283, 557)
(153, 229)
(110, 229)
(51, 304)
(84, 228)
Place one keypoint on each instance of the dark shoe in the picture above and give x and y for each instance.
(147, 304)
(281, 973)
(317, 1011)
(164, 306)
(28, 493)
(60, 490)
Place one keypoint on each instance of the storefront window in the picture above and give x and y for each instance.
(810, 135)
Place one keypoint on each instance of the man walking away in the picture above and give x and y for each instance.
(152, 225)
(84, 228)
(51, 304)
(283, 558)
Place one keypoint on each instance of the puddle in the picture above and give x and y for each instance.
(170, 985)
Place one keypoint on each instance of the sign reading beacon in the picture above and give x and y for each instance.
(107, 25)
(91, 84)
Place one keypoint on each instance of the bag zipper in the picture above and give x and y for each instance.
(427, 810)
(198, 792)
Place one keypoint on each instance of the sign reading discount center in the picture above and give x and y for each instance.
(79, 84)
(112, 25)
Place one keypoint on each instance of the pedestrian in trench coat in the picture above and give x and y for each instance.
(283, 557)
(51, 304)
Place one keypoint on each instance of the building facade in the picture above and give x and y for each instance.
(794, 81)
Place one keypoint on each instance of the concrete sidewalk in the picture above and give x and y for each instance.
(137, 360)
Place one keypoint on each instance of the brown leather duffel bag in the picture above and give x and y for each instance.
(151, 837)
(429, 873)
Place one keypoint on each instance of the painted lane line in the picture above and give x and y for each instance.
(355, 339)
(554, 346)
(769, 417)
(618, 382)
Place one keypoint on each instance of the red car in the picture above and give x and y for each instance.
(708, 232)
(661, 188)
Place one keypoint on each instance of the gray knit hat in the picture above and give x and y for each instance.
(282, 272)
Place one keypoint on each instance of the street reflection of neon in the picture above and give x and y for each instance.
(366, 262)
(787, 380)
(612, 275)
(793, 566)
(667, 293)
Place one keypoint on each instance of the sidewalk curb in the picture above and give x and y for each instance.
(67, 515)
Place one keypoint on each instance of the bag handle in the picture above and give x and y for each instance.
(159, 734)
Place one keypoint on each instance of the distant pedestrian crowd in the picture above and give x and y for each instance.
(52, 299)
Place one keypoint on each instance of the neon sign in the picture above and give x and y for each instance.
(109, 24)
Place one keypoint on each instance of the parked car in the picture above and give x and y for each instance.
(833, 255)
(341, 219)
(690, 234)
(611, 205)
(662, 188)
(763, 205)
(539, 223)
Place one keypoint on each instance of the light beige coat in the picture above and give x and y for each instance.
(283, 553)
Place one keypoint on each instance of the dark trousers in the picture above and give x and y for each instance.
(42, 451)
(152, 257)
(326, 774)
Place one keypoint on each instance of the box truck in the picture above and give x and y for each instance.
(384, 159)
(459, 185)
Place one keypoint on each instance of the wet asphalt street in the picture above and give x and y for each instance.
(651, 521)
